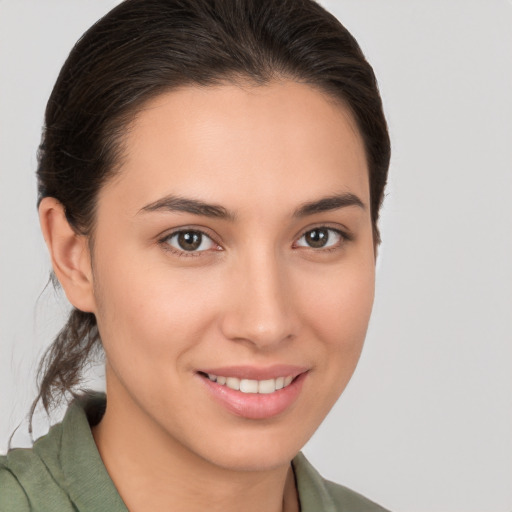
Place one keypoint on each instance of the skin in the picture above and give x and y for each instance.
(257, 295)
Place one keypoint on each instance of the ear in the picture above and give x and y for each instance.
(70, 255)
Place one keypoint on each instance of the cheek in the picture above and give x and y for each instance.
(338, 308)
(148, 314)
(343, 301)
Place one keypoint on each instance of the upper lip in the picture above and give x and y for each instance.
(255, 372)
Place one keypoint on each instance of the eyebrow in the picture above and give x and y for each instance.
(328, 203)
(174, 203)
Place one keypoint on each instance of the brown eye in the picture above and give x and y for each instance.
(190, 241)
(317, 237)
(320, 238)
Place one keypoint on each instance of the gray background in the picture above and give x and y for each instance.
(426, 423)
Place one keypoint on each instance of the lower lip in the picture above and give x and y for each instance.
(255, 406)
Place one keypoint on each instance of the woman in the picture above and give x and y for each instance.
(210, 178)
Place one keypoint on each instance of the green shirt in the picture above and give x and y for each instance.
(63, 472)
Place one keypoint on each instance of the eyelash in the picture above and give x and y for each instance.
(344, 237)
(164, 241)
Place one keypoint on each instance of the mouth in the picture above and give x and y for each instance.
(255, 393)
(265, 386)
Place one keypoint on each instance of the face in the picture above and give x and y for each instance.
(234, 250)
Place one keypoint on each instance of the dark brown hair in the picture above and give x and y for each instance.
(145, 47)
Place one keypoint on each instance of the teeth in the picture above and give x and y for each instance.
(233, 383)
(248, 386)
(252, 386)
(267, 386)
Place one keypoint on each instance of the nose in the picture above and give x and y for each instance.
(261, 311)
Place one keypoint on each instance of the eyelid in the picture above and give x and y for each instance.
(345, 235)
(335, 226)
(163, 240)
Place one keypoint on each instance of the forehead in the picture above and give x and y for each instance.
(284, 142)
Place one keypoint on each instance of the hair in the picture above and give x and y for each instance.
(143, 48)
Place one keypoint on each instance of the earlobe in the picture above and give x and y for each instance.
(69, 253)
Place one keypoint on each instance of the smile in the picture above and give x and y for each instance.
(266, 386)
(254, 393)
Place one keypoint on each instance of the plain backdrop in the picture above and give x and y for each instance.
(426, 423)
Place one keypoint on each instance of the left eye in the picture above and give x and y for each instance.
(190, 241)
(320, 238)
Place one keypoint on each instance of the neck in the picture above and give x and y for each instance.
(150, 470)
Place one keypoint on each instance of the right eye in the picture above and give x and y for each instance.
(189, 241)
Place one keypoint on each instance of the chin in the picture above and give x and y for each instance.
(259, 447)
(263, 458)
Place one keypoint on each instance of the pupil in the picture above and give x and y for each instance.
(189, 240)
(317, 237)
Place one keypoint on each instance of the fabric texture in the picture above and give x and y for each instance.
(63, 472)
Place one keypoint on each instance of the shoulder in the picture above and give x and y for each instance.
(316, 493)
(63, 471)
(12, 495)
(347, 499)
(28, 477)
